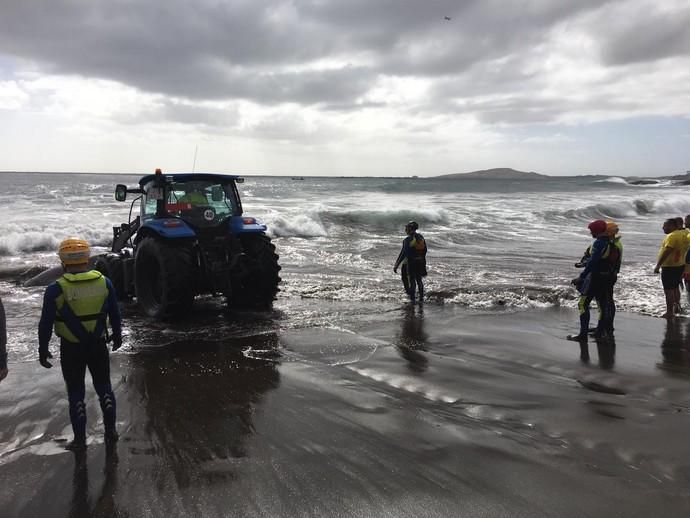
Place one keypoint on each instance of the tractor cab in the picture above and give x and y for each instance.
(200, 200)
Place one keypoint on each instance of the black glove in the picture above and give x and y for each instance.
(117, 343)
(43, 357)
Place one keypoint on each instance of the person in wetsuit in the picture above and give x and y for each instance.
(3, 343)
(79, 305)
(671, 262)
(615, 259)
(412, 257)
(686, 271)
(594, 283)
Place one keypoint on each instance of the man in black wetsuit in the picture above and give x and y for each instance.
(413, 259)
(79, 304)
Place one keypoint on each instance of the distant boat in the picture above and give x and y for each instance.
(298, 177)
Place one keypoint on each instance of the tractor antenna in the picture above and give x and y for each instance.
(196, 148)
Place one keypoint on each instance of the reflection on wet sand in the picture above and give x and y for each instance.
(198, 400)
(105, 504)
(606, 350)
(412, 339)
(674, 346)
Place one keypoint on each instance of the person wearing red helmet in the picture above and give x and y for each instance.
(593, 283)
(671, 262)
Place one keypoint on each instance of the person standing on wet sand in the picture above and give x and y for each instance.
(593, 282)
(686, 271)
(412, 257)
(79, 304)
(3, 343)
(615, 258)
(671, 262)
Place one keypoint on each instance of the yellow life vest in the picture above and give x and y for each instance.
(80, 305)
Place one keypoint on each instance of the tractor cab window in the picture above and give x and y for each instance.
(191, 194)
(152, 193)
(201, 203)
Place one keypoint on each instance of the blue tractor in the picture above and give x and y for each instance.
(190, 238)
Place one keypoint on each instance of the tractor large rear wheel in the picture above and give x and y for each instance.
(258, 287)
(164, 277)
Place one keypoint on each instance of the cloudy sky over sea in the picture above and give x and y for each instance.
(356, 87)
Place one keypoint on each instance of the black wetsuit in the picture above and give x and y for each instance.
(3, 338)
(596, 283)
(615, 260)
(76, 357)
(413, 259)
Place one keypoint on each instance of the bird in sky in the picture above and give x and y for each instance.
(447, 18)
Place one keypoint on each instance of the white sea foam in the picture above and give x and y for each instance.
(613, 179)
(300, 225)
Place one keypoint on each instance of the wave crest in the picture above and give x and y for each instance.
(384, 218)
(18, 242)
(679, 205)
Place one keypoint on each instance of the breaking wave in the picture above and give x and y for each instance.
(46, 241)
(298, 226)
(384, 218)
(613, 179)
(672, 205)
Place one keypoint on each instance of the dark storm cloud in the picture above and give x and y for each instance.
(414, 38)
(243, 48)
(200, 50)
(327, 53)
(650, 37)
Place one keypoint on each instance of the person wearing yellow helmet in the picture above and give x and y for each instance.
(79, 305)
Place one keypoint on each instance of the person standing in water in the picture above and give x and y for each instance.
(79, 304)
(412, 257)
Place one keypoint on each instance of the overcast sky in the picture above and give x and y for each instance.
(345, 87)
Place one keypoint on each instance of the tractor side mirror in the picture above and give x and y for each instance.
(217, 193)
(120, 192)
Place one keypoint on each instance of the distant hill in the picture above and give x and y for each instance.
(501, 173)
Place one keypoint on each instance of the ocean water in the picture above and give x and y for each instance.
(494, 246)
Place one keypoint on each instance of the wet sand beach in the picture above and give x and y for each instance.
(438, 412)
